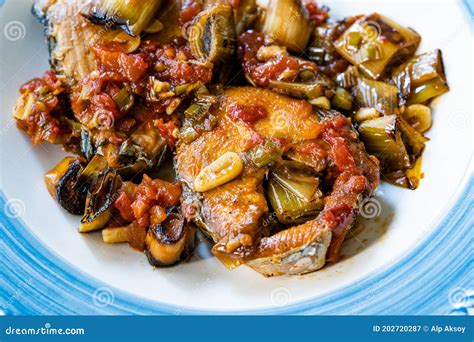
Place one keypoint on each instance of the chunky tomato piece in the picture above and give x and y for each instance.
(138, 202)
(262, 72)
(317, 14)
(133, 67)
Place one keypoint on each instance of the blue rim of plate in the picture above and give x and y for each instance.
(435, 277)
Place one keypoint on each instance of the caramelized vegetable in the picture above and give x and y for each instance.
(294, 195)
(379, 95)
(414, 140)
(170, 241)
(409, 179)
(99, 202)
(134, 234)
(287, 22)
(62, 184)
(421, 78)
(373, 42)
(382, 138)
(131, 16)
(342, 99)
(309, 91)
(212, 35)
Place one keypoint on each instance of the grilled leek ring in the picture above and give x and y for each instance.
(99, 202)
(212, 35)
(169, 242)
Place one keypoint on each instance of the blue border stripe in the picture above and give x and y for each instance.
(419, 283)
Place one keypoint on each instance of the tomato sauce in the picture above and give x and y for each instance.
(264, 72)
(317, 14)
(44, 121)
(135, 201)
(247, 113)
(172, 66)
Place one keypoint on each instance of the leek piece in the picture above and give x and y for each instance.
(421, 78)
(414, 140)
(290, 208)
(301, 185)
(301, 90)
(342, 99)
(379, 95)
(382, 138)
(265, 154)
(382, 42)
(287, 22)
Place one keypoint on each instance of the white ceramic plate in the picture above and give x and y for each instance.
(53, 269)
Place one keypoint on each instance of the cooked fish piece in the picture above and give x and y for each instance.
(69, 36)
(235, 215)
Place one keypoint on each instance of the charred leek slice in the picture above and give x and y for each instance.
(379, 95)
(170, 241)
(382, 138)
(99, 202)
(131, 16)
(374, 41)
(287, 22)
(409, 179)
(212, 35)
(62, 184)
(421, 78)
